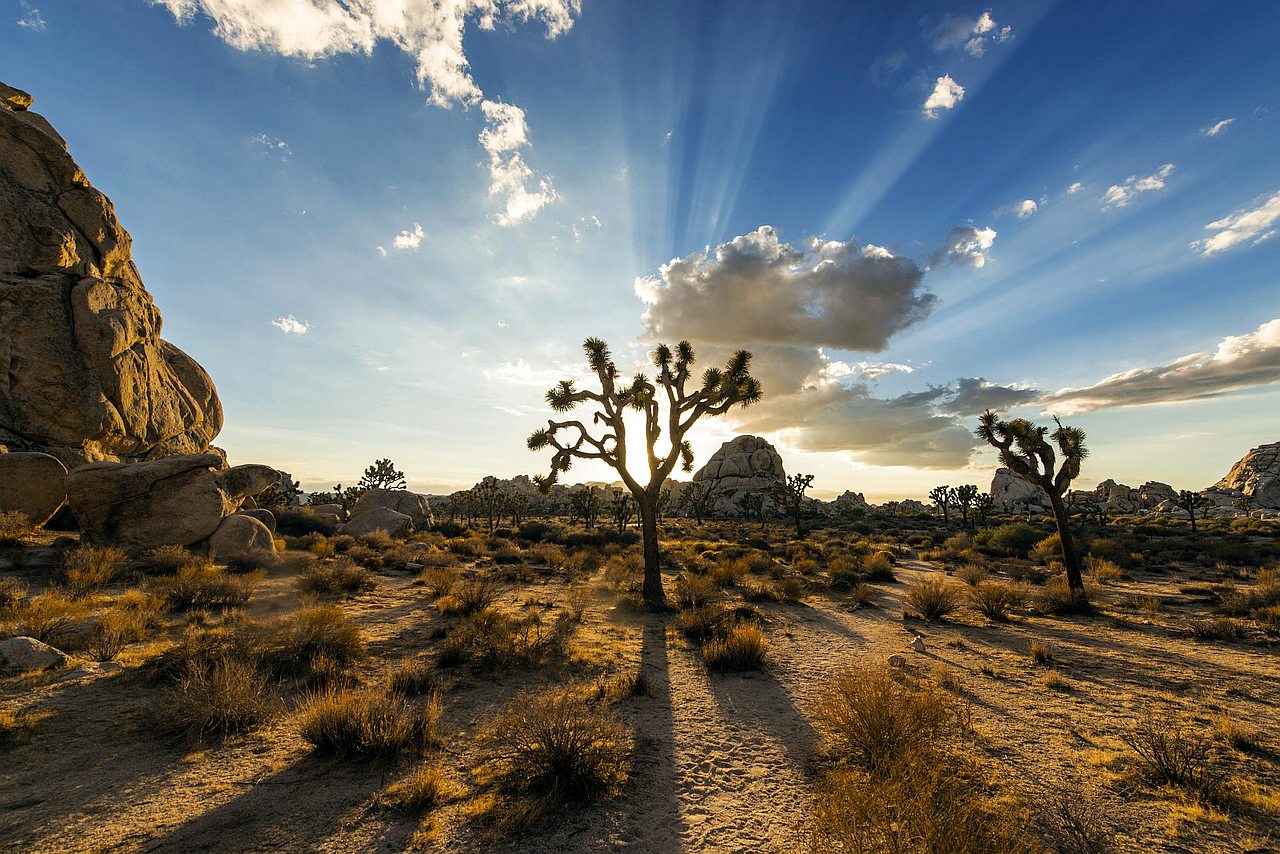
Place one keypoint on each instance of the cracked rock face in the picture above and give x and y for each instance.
(744, 464)
(1257, 474)
(84, 374)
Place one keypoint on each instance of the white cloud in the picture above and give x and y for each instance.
(1075, 188)
(408, 239)
(291, 325)
(502, 324)
(966, 245)
(974, 35)
(31, 18)
(1240, 362)
(1255, 225)
(1217, 127)
(505, 132)
(945, 95)
(520, 372)
(1120, 195)
(873, 370)
(1024, 208)
(757, 289)
(382, 250)
(273, 144)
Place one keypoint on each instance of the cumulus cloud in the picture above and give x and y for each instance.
(429, 31)
(1240, 362)
(1251, 225)
(975, 395)
(407, 239)
(382, 250)
(1217, 127)
(1120, 195)
(504, 134)
(873, 370)
(1024, 208)
(273, 145)
(757, 289)
(1075, 188)
(966, 245)
(31, 18)
(945, 95)
(291, 325)
(973, 35)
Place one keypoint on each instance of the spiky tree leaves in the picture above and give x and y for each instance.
(983, 504)
(383, 474)
(1028, 450)
(789, 496)
(673, 387)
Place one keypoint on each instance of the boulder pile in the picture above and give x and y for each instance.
(744, 464)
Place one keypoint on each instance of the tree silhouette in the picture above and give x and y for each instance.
(584, 504)
(623, 509)
(1244, 503)
(699, 498)
(1191, 502)
(1024, 451)
(963, 497)
(713, 394)
(789, 496)
(983, 504)
(383, 474)
(941, 496)
(752, 505)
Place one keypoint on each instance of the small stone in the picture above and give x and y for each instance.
(917, 643)
(898, 661)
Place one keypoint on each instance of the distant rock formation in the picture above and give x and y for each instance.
(1257, 475)
(743, 465)
(849, 502)
(86, 376)
(1119, 498)
(1012, 494)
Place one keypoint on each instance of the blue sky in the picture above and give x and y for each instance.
(378, 251)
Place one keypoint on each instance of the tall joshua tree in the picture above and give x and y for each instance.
(714, 393)
(383, 474)
(941, 495)
(1025, 450)
(963, 497)
(1191, 502)
(788, 494)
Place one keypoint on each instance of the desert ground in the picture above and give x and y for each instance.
(1045, 709)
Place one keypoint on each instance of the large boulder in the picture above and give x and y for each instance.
(411, 504)
(33, 485)
(175, 501)
(241, 536)
(86, 374)
(379, 519)
(1119, 498)
(1012, 494)
(1257, 474)
(744, 464)
(21, 654)
(263, 515)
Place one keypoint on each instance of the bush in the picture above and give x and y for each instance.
(1108, 549)
(844, 572)
(47, 617)
(933, 599)
(312, 641)
(694, 591)
(167, 560)
(701, 624)
(556, 745)
(88, 568)
(470, 596)
(1047, 550)
(413, 677)
(995, 600)
(742, 647)
(335, 577)
(12, 592)
(878, 567)
(1057, 597)
(877, 723)
(229, 697)
(204, 587)
(490, 639)
(1103, 571)
(421, 790)
(1014, 540)
(15, 528)
(1171, 753)
(300, 521)
(861, 596)
(972, 574)
(367, 722)
(1216, 629)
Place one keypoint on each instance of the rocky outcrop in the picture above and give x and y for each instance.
(410, 504)
(175, 501)
(1012, 494)
(743, 465)
(33, 485)
(379, 519)
(1119, 498)
(22, 654)
(241, 536)
(86, 374)
(1257, 475)
(848, 503)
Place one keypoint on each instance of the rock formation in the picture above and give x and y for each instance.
(1257, 475)
(1012, 494)
(402, 501)
(743, 465)
(86, 374)
(33, 485)
(1119, 498)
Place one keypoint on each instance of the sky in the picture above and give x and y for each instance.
(386, 226)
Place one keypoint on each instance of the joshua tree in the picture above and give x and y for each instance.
(963, 497)
(789, 496)
(713, 394)
(1244, 503)
(383, 474)
(941, 495)
(623, 509)
(663, 502)
(515, 504)
(1191, 502)
(752, 505)
(584, 504)
(983, 504)
(700, 497)
(488, 498)
(1024, 451)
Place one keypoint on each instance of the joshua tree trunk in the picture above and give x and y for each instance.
(652, 590)
(1069, 556)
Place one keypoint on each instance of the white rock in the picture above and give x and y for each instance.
(21, 654)
(917, 643)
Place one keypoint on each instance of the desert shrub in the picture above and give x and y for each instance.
(1028, 573)
(300, 521)
(555, 745)
(727, 573)
(1039, 653)
(1057, 597)
(860, 596)
(47, 616)
(88, 568)
(877, 723)
(379, 540)
(1047, 550)
(413, 677)
(995, 600)
(312, 640)
(135, 616)
(1170, 752)
(167, 560)
(15, 528)
(957, 545)
(365, 557)
(1103, 571)
(490, 639)
(1073, 820)
(844, 572)
(972, 574)
(702, 623)
(1104, 548)
(12, 592)
(365, 722)
(878, 567)
(470, 596)
(335, 577)
(694, 591)
(761, 591)
(226, 698)
(1216, 629)
(1243, 601)
(206, 587)
(933, 599)
(625, 573)
(741, 647)
(1015, 539)
(439, 580)
(423, 789)
(790, 589)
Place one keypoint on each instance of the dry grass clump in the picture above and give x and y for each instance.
(1172, 753)
(490, 639)
(366, 722)
(314, 642)
(470, 596)
(167, 560)
(12, 593)
(229, 697)
(972, 574)
(703, 623)
(545, 750)
(995, 600)
(874, 721)
(1039, 653)
(135, 616)
(420, 791)
(1217, 629)
(46, 617)
(1250, 601)
(860, 596)
(88, 568)
(439, 580)
(205, 587)
(1058, 598)
(788, 589)
(413, 677)
(933, 599)
(694, 591)
(740, 648)
(15, 528)
(878, 567)
(1103, 571)
(336, 577)
(1074, 819)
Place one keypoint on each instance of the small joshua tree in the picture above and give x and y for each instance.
(1244, 503)
(1191, 502)
(714, 393)
(752, 506)
(789, 496)
(983, 504)
(1026, 451)
(941, 496)
(700, 497)
(963, 497)
(584, 504)
(383, 474)
(623, 509)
